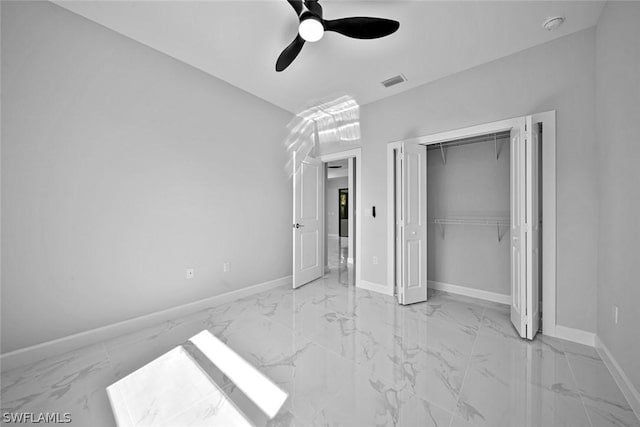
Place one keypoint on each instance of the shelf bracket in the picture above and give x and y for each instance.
(495, 145)
(500, 236)
(498, 147)
(444, 159)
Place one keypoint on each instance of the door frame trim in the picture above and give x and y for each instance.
(549, 212)
(391, 216)
(355, 153)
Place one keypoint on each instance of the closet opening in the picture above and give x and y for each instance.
(481, 193)
(471, 204)
(468, 214)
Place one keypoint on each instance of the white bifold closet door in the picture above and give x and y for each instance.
(308, 220)
(525, 231)
(411, 223)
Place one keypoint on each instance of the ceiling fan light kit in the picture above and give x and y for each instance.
(312, 27)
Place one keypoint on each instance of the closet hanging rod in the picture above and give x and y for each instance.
(471, 221)
(472, 140)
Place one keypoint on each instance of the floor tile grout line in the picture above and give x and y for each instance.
(115, 376)
(466, 372)
(109, 361)
(351, 363)
(573, 375)
(311, 340)
(360, 368)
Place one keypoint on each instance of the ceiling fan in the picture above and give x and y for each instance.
(312, 27)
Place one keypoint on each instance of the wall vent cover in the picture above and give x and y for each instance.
(394, 80)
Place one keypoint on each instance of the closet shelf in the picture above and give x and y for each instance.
(498, 139)
(471, 221)
(492, 222)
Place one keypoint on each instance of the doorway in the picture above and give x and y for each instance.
(312, 192)
(337, 185)
(342, 255)
(339, 219)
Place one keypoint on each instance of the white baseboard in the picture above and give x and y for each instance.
(35, 353)
(470, 292)
(575, 335)
(375, 287)
(626, 386)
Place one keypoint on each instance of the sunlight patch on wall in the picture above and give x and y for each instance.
(331, 122)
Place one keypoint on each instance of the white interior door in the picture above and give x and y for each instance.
(411, 223)
(525, 312)
(308, 220)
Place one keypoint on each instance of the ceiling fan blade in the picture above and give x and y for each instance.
(297, 6)
(289, 53)
(314, 7)
(362, 27)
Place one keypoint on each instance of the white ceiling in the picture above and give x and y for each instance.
(239, 41)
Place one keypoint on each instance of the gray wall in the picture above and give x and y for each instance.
(559, 75)
(618, 149)
(333, 185)
(121, 167)
(472, 183)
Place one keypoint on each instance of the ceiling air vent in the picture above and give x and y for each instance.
(394, 80)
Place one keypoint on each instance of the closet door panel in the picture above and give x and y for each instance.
(532, 227)
(525, 228)
(518, 262)
(413, 223)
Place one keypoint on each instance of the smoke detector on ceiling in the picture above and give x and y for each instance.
(552, 23)
(394, 80)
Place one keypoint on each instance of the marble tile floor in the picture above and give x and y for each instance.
(350, 357)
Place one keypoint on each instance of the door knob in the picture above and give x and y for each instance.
(296, 225)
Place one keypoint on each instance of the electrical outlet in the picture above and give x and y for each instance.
(375, 260)
(226, 267)
(190, 273)
(615, 314)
